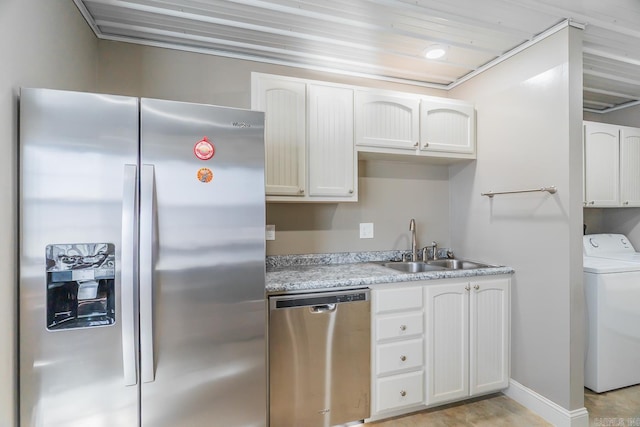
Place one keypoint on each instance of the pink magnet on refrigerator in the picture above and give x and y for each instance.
(204, 150)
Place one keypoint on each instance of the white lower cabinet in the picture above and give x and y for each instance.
(451, 344)
(399, 391)
(397, 358)
(467, 338)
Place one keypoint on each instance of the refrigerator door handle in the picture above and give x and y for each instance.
(128, 281)
(147, 242)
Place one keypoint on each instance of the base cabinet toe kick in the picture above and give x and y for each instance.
(438, 341)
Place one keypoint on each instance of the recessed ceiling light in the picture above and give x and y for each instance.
(435, 51)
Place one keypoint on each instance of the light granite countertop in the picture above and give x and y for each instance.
(296, 273)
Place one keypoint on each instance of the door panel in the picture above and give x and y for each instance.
(73, 151)
(208, 254)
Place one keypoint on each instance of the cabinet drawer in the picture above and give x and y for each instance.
(399, 326)
(399, 391)
(398, 299)
(399, 356)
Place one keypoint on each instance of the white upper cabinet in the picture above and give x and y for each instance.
(414, 126)
(387, 120)
(447, 126)
(630, 166)
(332, 160)
(601, 156)
(283, 100)
(309, 148)
(611, 165)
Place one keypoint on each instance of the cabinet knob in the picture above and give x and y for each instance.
(467, 287)
(417, 144)
(626, 203)
(592, 202)
(403, 393)
(426, 144)
(403, 358)
(351, 191)
(476, 287)
(301, 191)
(403, 327)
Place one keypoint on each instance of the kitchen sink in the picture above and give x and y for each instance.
(433, 265)
(457, 264)
(411, 266)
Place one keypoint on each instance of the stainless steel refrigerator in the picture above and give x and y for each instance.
(141, 283)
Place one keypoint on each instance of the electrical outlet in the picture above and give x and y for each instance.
(366, 230)
(270, 232)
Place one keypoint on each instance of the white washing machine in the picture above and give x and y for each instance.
(612, 290)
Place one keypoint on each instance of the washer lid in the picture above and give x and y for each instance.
(606, 245)
(604, 265)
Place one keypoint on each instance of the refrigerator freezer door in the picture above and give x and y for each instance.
(208, 313)
(73, 151)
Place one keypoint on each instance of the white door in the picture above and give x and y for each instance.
(630, 166)
(447, 342)
(283, 102)
(387, 121)
(447, 126)
(601, 152)
(489, 336)
(331, 151)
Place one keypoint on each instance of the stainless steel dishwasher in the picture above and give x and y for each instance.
(319, 358)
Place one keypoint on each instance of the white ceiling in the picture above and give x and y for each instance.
(385, 39)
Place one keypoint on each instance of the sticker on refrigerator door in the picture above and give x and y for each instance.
(205, 175)
(204, 149)
(80, 285)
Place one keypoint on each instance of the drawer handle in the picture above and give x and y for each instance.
(403, 393)
(403, 327)
(476, 287)
(403, 358)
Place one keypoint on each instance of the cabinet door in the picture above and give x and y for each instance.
(447, 126)
(601, 153)
(630, 166)
(489, 336)
(332, 167)
(386, 120)
(447, 342)
(283, 102)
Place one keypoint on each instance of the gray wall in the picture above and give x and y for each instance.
(42, 44)
(421, 190)
(529, 112)
(626, 117)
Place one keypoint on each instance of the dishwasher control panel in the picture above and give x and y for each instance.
(319, 299)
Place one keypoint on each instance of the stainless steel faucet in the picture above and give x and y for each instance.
(414, 245)
(434, 246)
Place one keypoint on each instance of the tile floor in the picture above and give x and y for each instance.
(614, 408)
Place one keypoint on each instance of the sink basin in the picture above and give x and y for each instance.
(457, 264)
(411, 267)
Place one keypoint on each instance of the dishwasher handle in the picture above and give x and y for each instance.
(320, 302)
(325, 308)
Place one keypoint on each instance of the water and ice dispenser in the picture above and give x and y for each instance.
(80, 285)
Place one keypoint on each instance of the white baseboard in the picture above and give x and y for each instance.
(545, 408)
